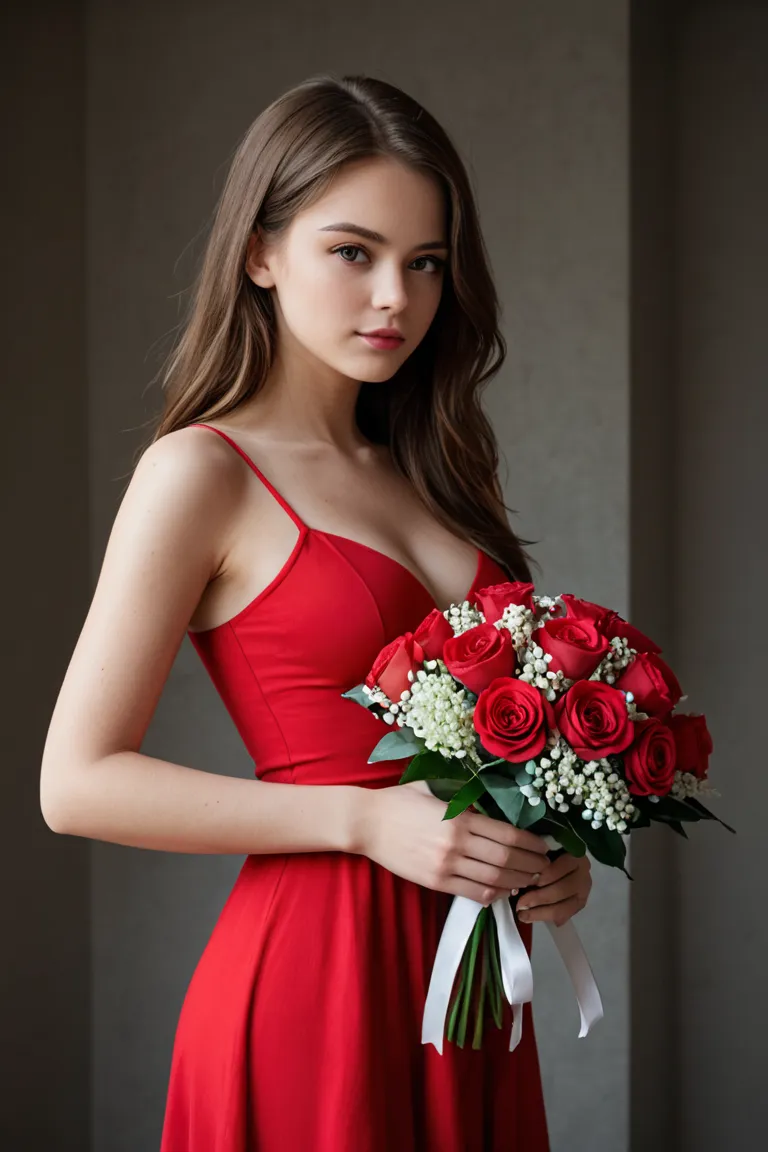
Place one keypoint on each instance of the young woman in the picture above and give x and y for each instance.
(322, 477)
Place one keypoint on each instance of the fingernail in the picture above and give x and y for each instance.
(523, 907)
(536, 877)
(514, 892)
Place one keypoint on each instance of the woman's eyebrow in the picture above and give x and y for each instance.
(367, 234)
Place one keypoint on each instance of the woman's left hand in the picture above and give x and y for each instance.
(560, 893)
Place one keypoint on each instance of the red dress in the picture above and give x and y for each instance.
(301, 1026)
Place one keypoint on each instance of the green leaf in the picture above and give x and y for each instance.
(605, 845)
(467, 795)
(521, 775)
(396, 745)
(706, 814)
(640, 820)
(531, 813)
(668, 808)
(506, 794)
(431, 765)
(358, 696)
(445, 789)
(500, 766)
(676, 826)
(567, 838)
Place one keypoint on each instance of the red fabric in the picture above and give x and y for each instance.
(301, 1026)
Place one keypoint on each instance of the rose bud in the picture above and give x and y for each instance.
(693, 744)
(513, 719)
(392, 665)
(593, 719)
(479, 655)
(432, 634)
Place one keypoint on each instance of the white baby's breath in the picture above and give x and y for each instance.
(564, 781)
(462, 616)
(686, 784)
(439, 711)
(614, 662)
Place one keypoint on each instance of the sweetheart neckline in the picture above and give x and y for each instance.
(304, 532)
(399, 564)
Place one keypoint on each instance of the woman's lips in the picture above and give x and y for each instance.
(383, 343)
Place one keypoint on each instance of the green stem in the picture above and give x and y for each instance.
(457, 999)
(496, 968)
(477, 1039)
(473, 946)
(494, 997)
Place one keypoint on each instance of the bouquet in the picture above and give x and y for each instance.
(554, 714)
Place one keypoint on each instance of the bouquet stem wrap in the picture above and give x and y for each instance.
(517, 975)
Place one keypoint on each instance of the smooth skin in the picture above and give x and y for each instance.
(196, 537)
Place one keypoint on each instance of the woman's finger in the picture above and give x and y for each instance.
(481, 848)
(553, 893)
(506, 834)
(560, 867)
(491, 875)
(482, 893)
(555, 913)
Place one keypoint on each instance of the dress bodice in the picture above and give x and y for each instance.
(282, 662)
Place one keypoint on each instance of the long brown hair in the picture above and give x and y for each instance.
(429, 413)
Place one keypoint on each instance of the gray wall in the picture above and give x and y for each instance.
(44, 879)
(543, 124)
(633, 323)
(720, 562)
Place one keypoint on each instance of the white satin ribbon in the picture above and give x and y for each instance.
(516, 972)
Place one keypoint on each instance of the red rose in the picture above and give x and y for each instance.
(585, 610)
(593, 718)
(479, 655)
(432, 634)
(615, 625)
(652, 683)
(693, 744)
(576, 646)
(608, 622)
(649, 765)
(512, 719)
(494, 599)
(392, 665)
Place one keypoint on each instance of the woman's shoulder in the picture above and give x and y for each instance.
(196, 473)
(196, 457)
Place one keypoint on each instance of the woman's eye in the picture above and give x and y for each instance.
(348, 248)
(438, 263)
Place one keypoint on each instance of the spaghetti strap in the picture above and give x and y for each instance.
(267, 484)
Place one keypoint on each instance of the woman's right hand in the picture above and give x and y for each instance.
(470, 855)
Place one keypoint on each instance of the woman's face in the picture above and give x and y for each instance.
(330, 283)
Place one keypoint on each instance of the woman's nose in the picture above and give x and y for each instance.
(390, 291)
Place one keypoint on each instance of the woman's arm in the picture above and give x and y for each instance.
(167, 542)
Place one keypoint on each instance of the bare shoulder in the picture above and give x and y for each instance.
(165, 546)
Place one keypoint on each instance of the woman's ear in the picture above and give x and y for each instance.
(256, 262)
